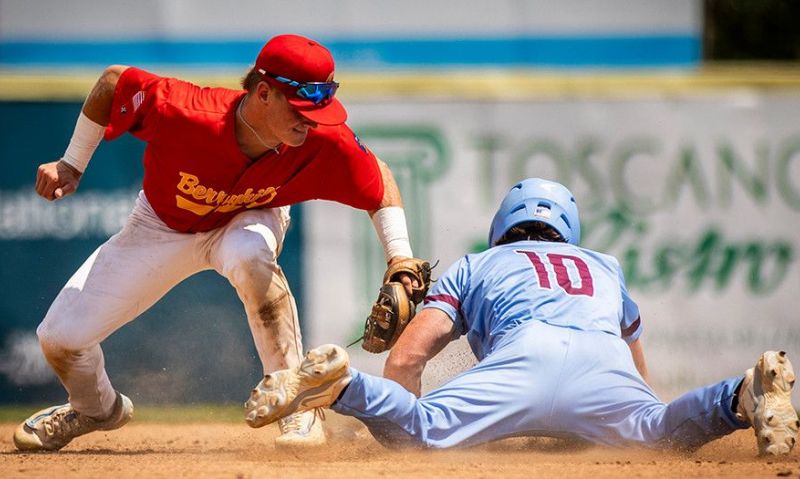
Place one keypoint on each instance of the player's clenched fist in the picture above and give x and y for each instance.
(56, 180)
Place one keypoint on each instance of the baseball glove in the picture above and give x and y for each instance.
(393, 309)
(390, 315)
(418, 269)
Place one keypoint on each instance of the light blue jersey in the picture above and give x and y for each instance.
(489, 293)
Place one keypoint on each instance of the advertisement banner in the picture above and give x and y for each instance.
(697, 195)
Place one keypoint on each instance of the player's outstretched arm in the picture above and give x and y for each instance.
(390, 225)
(60, 178)
(638, 359)
(425, 337)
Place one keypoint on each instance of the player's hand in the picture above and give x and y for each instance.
(56, 180)
(408, 280)
(409, 283)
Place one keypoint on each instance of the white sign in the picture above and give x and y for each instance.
(698, 196)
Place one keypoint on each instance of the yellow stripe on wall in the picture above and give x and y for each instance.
(17, 85)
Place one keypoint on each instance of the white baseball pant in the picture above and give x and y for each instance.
(137, 266)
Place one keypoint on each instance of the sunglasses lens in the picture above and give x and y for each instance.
(318, 92)
(315, 92)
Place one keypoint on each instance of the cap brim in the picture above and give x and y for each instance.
(332, 113)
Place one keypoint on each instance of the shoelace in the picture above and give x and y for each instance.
(60, 425)
(319, 413)
(294, 423)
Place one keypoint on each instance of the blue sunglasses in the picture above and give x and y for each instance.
(316, 92)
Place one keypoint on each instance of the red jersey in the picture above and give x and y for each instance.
(196, 177)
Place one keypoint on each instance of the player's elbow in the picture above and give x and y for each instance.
(402, 362)
(111, 74)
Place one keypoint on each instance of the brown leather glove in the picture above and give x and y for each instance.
(393, 309)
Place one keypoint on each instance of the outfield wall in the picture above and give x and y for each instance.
(693, 181)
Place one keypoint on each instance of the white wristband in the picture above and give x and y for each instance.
(85, 138)
(390, 224)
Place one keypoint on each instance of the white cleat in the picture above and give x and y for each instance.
(316, 382)
(53, 428)
(765, 401)
(300, 430)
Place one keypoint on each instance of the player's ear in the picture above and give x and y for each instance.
(263, 91)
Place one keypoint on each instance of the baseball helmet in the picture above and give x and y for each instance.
(535, 199)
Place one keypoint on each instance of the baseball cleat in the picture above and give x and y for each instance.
(316, 382)
(300, 430)
(53, 428)
(765, 401)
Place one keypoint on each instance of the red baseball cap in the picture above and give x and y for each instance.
(303, 60)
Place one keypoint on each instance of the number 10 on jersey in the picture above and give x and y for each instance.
(558, 263)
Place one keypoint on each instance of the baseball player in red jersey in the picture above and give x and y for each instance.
(221, 168)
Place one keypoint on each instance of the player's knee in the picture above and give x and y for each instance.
(250, 274)
(247, 256)
(51, 341)
(57, 337)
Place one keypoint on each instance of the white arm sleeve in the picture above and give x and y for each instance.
(85, 139)
(390, 224)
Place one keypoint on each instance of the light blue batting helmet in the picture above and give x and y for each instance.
(536, 199)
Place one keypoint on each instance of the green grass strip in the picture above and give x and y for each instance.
(149, 413)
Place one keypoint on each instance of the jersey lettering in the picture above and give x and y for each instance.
(189, 184)
(538, 266)
(557, 262)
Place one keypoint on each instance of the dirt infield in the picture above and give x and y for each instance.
(232, 450)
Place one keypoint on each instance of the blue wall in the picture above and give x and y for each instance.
(559, 51)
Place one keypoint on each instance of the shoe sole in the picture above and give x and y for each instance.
(775, 423)
(268, 403)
